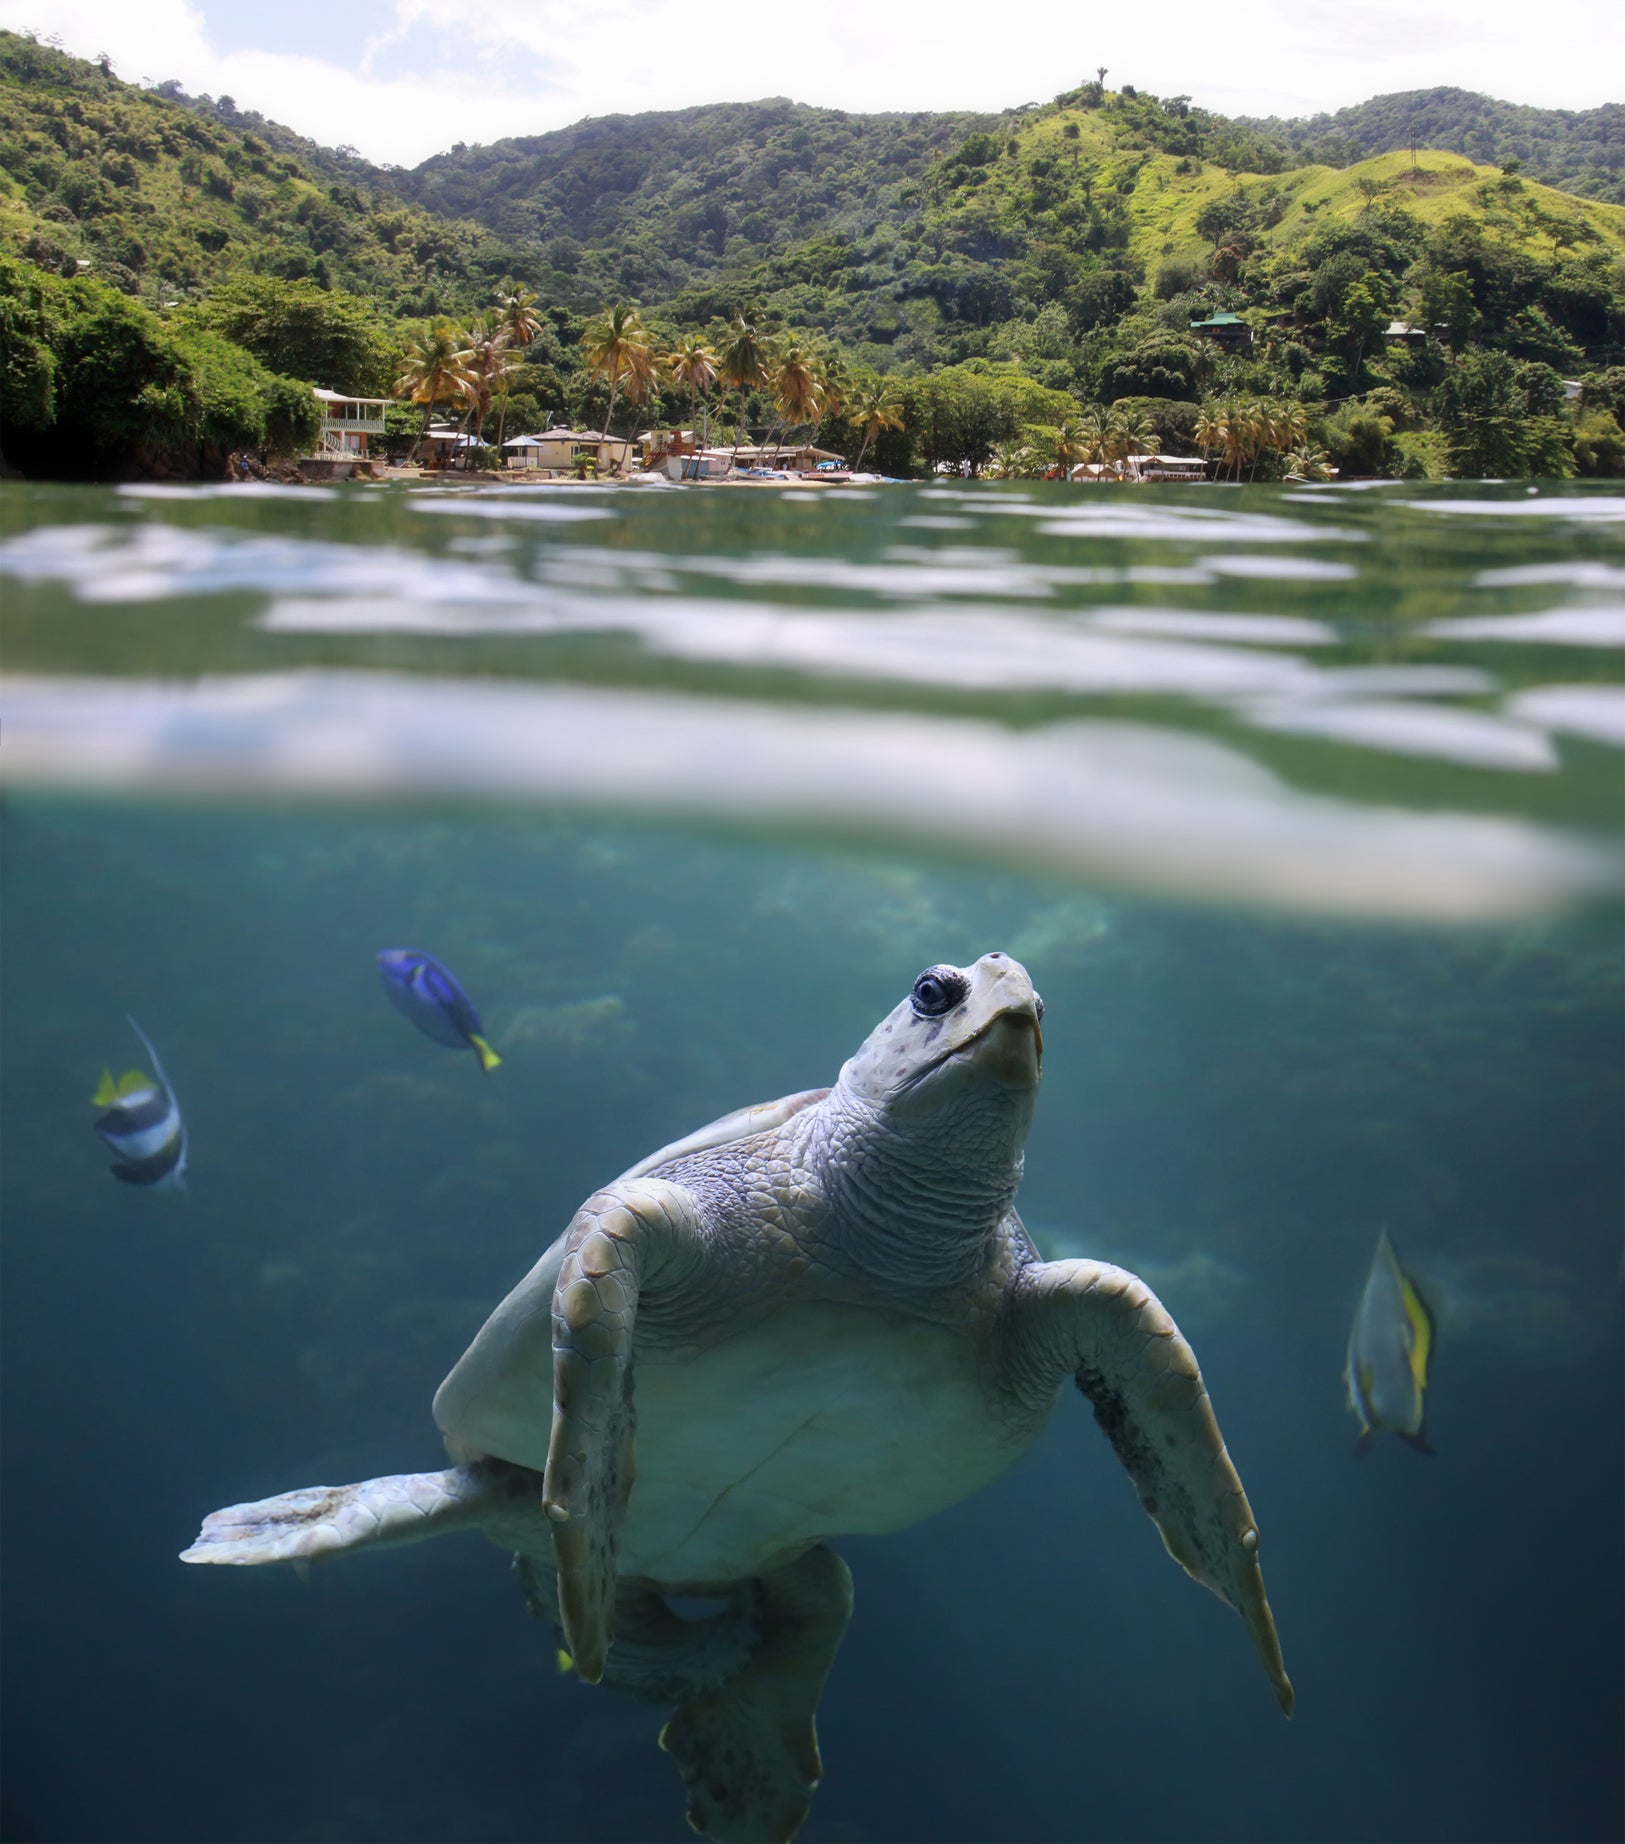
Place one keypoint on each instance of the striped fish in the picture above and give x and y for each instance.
(142, 1125)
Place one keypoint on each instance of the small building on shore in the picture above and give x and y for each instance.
(347, 422)
(1141, 467)
(442, 444)
(561, 451)
(1402, 333)
(1171, 467)
(802, 458)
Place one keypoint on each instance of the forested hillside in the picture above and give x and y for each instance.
(989, 276)
(164, 197)
(1581, 150)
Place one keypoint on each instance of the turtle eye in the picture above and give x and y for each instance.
(1038, 1008)
(938, 990)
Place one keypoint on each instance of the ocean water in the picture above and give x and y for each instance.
(1302, 808)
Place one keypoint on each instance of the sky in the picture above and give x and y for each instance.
(403, 79)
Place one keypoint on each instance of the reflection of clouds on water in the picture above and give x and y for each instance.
(153, 562)
(1558, 627)
(235, 490)
(1023, 627)
(1578, 575)
(1153, 807)
(1197, 624)
(1472, 737)
(1281, 569)
(535, 512)
(1588, 509)
(1593, 711)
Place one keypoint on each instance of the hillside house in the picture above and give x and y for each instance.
(1227, 330)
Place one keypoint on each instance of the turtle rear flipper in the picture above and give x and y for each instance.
(321, 1520)
(748, 1750)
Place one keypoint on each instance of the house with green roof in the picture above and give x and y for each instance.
(1227, 330)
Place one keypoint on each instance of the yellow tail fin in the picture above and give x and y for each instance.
(488, 1057)
(106, 1091)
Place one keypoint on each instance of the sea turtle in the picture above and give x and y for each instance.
(815, 1317)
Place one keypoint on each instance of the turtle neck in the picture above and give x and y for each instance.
(913, 1199)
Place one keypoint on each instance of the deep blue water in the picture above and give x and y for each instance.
(1239, 1094)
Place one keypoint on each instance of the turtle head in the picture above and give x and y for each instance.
(927, 1125)
(960, 1031)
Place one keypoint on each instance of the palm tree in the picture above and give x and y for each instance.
(1061, 447)
(1210, 428)
(1090, 436)
(693, 364)
(639, 382)
(1289, 423)
(1009, 461)
(1137, 435)
(616, 347)
(517, 317)
(744, 362)
(489, 363)
(433, 367)
(1308, 463)
(1234, 428)
(797, 395)
(834, 380)
(872, 409)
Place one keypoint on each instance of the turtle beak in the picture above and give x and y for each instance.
(1011, 1048)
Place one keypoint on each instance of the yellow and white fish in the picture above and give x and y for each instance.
(143, 1124)
(1390, 1350)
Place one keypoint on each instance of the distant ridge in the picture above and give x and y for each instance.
(1579, 150)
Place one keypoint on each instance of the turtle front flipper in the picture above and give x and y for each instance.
(1107, 1329)
(748, 1749)
(622, 1242)
(322, 1520)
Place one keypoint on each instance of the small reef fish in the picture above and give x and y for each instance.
(143, 1124)
(423, 990)
(1390, 1349)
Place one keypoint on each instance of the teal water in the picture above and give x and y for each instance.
(1302, 809)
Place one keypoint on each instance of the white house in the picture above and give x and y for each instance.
(348, 421)
(558, 450)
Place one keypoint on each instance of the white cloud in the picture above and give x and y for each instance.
(440, 71)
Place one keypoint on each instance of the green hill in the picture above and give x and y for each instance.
(164, 198)
(1580, 150)
(655, 202)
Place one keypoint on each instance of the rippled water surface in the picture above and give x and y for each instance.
(1304, 811)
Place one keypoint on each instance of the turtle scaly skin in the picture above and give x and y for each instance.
(816, 1318)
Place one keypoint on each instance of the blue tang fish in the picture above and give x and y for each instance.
(1390, 1352)
(143, 1124)
(428, 993)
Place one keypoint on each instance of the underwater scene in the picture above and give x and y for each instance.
(384, 873)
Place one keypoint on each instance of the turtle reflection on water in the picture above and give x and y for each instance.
(816, 1317)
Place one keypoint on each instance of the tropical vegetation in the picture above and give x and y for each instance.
(1019, 292)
